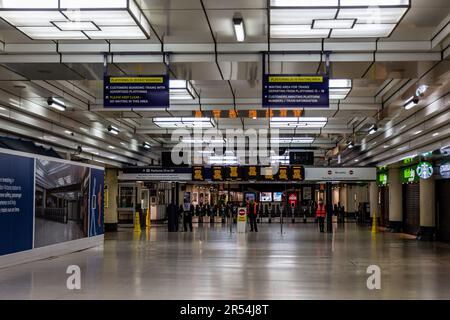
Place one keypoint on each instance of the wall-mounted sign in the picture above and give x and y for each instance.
(382, 179)
(217, 174)
(444, 170)
(424, 170)
(198, 173)
(281, 91)
(297, 173)
(251, 172)
(233, 173)
(136, 92)
(301, 157)
(283, 173)
(409, 175)
(341, 174)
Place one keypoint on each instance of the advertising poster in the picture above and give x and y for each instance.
(307, 193)
(96, 216)
(61, 202)
(16, 203)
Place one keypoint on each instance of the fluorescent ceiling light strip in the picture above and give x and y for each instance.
(300, 16)
(333, 24)
(304, 3)
(90, 4)
(364, 31)
(297, 31)
(340, 83)
(177, 84)
(239, 29)
(31, 4)
(75, 25)
(369, 3)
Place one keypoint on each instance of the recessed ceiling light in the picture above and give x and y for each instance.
(417, 132)
(111, 147)
(435, 134)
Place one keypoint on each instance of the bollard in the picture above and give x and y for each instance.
(137, 223)
(374, 223)
(147, 223)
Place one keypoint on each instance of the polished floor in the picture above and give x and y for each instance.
(212, 263)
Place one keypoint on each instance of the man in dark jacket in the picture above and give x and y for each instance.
(188, 217)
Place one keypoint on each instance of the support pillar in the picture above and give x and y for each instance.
(427, 210)
(329, 206)
(395, 200)
(373, 200)
(112, 189)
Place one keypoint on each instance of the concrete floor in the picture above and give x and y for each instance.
(212, 264)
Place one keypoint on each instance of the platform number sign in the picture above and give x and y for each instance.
(424, 170)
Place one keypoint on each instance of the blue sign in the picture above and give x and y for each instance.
(136, 92)
(96, 211)
(16, 203)
(299, 91)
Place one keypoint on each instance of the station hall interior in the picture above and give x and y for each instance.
(146, 141)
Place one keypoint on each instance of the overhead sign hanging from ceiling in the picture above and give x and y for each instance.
(341, 174)
(136, 92)
(296, 91)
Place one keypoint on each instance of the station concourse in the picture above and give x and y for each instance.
(191, 149)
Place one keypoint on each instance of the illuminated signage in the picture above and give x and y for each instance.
(424, 170)
(409, 175)
(444, 170)
(198, 174)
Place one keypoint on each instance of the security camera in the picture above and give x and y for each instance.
(79, 149)
(416, 99)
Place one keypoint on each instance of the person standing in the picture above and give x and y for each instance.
(320, 215)
(188, 218)
(252, 210)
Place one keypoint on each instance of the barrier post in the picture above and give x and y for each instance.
(147, 223)
(137, 223)
(374, 223)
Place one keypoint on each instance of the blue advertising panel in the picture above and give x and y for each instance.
(16, 203)
(136, 92)
(295, 91)
(96, 211)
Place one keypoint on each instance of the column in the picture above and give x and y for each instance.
(395, 200)
(427, 209)
(111, 215)
(329, 206)
(373, 200)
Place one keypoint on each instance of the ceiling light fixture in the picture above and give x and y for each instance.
(298, 122)
(373, 129)
(56, 104)
(184, 122)
(77, 19)
(181, 90)
(146, 145)
(335, 18)
(239, 29)
(114, 130)
(411, 102)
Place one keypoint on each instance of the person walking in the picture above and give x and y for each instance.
(252, 210)
(188, 217)
(320, 215)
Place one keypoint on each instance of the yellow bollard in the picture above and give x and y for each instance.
(147, 223)
(374, 223)
(137, 223)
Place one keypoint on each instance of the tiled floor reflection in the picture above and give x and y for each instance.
(211, 263)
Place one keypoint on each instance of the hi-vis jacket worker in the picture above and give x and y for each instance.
(321, 214)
